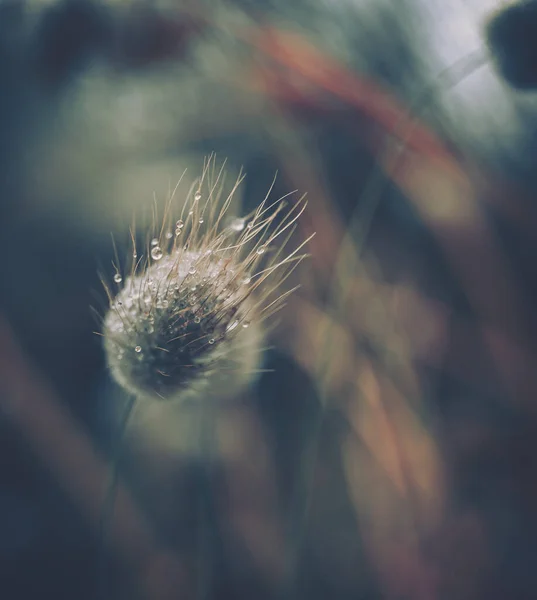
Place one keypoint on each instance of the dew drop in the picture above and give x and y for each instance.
(237, 224)
(197, 196)
(179, 224)
(154, 242)
(250, 225)
(134, 255)
(192, 270)
(118, 278)
(169, 235)
(246, 280)
(261, 250)
(138, 349)
(232, 326)
(197, 320)
(211, 341)
(200, 221)
(178, 231)
(245, 325)
(156, 253)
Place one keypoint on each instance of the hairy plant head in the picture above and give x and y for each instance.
(187, 321)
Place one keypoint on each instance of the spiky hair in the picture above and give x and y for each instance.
(188, 319)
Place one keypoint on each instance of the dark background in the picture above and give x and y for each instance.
(420, 473)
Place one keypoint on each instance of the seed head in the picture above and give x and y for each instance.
(188, 319)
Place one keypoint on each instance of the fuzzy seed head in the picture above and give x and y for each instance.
(187, 321)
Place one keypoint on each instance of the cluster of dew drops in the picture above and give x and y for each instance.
(150, 293)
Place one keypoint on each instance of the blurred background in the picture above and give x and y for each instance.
(390, 449)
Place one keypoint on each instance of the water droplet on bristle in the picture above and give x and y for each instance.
(154, 242)
(237, 224)
(138, 349)
(156, 253)
(118, 278)
(197, 196)
(232, 326)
